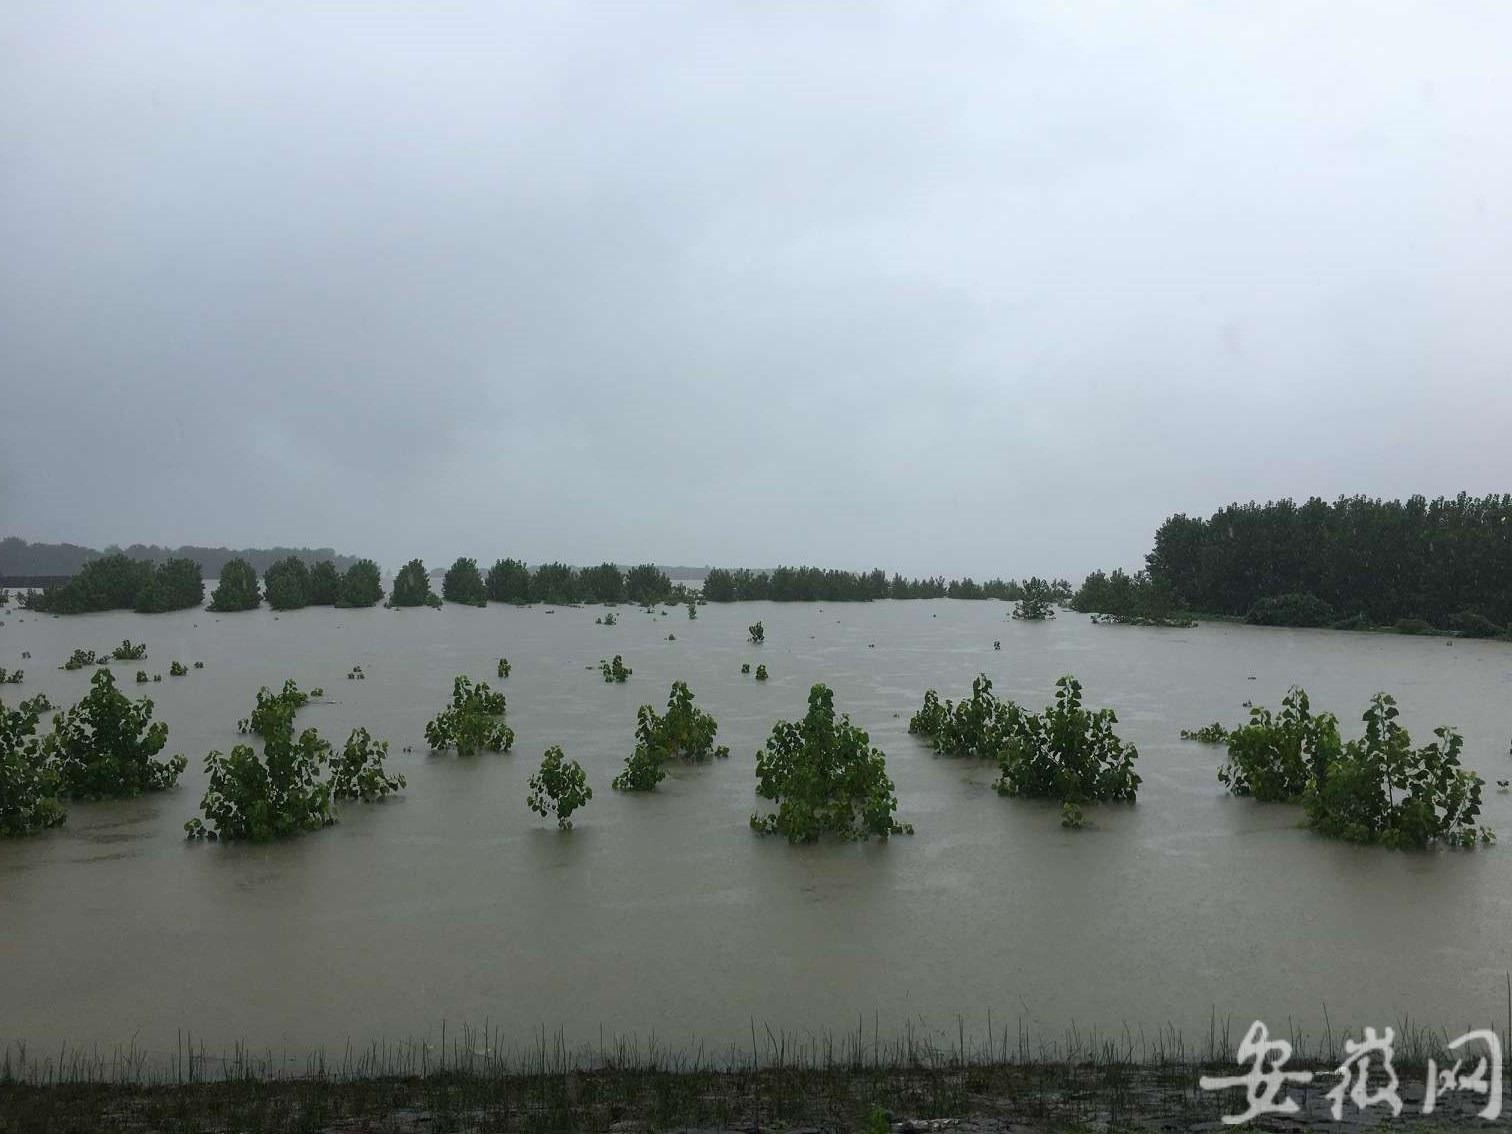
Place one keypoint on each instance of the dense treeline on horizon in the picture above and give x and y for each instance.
(1358, 562)
(19, 557)
(816, 584)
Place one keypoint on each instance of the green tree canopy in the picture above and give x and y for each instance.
(646, 584)
(29, 786)
(287, 584)
(411, 586)
(111, 582)
(509, 581)
(718, 586)
(825, 777)
(1376, 561)
(361, 585)
(463, 583)
(554, 583)
(603, 583)
(559, 788)
(325, 584)
(175, 585)
(104, 746)
(237, 588)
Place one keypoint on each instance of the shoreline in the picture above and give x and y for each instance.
(1006, 1097)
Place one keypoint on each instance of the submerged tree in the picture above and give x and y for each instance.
(287, 584)
(29, 787)
(111, 582)
(325, 584)
(464, 584)
(474, 721)
(1381, 789)
(1213, 733)
(1123, 598)
(361, 585)
(357, 771)
(647, 583)
(685, 732)
(1069, 753)
(554, 583)
(603, 583)
(271, 707)
(1275, 756)
(980, 727)
(825, 777)
(509, 581)
(290, 787)
(559, 788)
(127, 651)
(1037, 603)
(615, 671)
(757, 633)
(175, 585)
(103, 747)
(412, 586)
(237, 588)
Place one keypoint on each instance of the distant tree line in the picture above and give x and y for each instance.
(509, 580)
(289, 584)
(1135, 596)
(118, 582)
(18, 557)
(1416, 564)
(815, 584)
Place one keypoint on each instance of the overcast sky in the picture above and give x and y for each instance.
(979, 288)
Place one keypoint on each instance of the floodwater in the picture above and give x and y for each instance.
(665, 915)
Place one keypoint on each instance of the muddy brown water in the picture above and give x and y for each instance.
(665, 915)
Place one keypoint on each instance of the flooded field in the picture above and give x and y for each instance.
(665, 914)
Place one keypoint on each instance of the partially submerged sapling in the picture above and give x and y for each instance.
(1213, 733)
(826, 778)
(559, 788)
(30, 790)
(761, 673)
(103, 747)
(290, 786)
(503, 668)
(616, 670)
(128, 652)
(177, 669)
(685, 733)
(473, 721)
(757, 633)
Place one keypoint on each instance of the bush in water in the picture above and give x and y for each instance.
(473, 721)
(104, 746)
(825, 778)
(559, 788)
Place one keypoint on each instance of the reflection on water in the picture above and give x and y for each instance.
(664, 913)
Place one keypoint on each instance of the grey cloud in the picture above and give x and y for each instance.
(984, 290)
